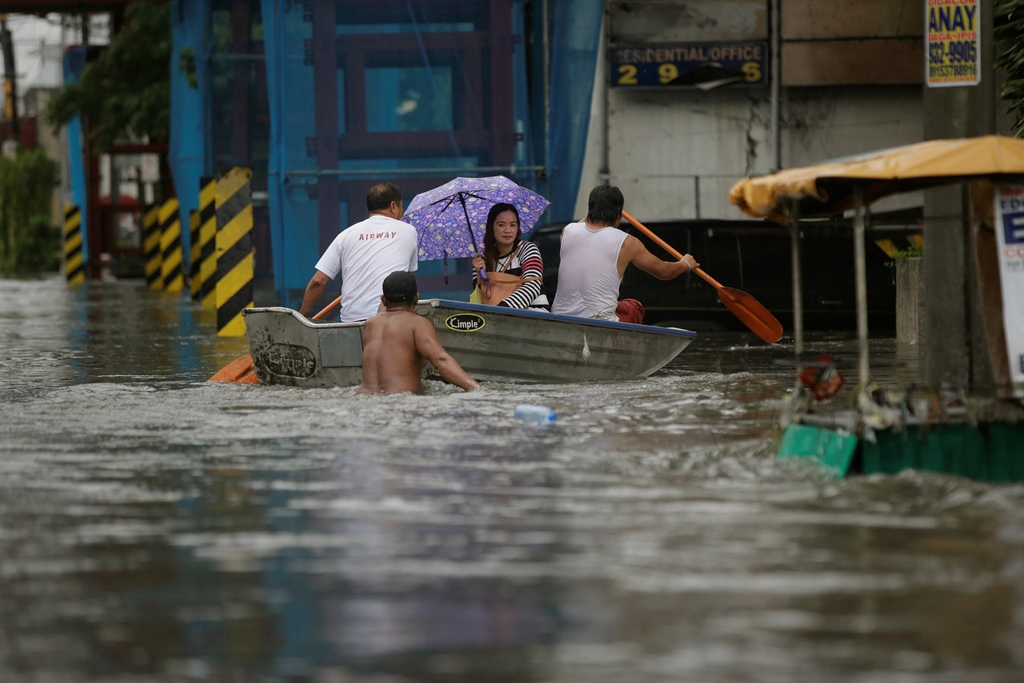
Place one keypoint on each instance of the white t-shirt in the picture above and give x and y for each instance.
(365, 254)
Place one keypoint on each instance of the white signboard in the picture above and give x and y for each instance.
(1010, 238)
(150, 168)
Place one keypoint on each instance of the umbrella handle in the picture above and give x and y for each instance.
(483, 275)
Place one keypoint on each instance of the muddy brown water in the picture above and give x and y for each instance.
(154, 527)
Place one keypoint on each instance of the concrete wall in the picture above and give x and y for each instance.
(697, 21)
(676, 152)
(54, 143)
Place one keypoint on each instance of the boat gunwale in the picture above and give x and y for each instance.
(484, 308)
(545, 315)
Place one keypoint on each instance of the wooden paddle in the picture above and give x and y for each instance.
(745, 307)
(242, 370)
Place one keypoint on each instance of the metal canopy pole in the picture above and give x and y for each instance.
(793, 209)
(775, 93)
(862, 284)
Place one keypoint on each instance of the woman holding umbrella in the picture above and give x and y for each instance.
(514, 267)
(453, 220)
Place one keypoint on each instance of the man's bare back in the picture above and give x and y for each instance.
(397, 344)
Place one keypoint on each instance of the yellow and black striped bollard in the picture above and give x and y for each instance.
(74, 266)
(193, 261)
(236, 257)
(170, 247)
(151, 246)
(208, 242)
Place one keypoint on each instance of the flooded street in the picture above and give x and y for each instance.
(155, 527)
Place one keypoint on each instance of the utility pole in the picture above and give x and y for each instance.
(10, 82)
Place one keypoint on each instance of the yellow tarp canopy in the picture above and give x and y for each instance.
(827, 188)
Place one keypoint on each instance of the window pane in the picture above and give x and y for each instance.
(408, 99)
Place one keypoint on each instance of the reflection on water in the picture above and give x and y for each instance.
(154, 527)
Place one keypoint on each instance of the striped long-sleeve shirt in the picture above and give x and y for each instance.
(526, 263)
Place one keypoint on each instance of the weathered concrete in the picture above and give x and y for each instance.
(853, 62)
(814, 19)
(910, 301)
(956, 112)
(947, 360)
(676, 152)
(990, 362)
(687, 21)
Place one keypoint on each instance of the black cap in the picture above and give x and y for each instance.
(400, 288)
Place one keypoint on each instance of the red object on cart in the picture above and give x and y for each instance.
(822, 378)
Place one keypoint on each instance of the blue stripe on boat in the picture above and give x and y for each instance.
(484, 308)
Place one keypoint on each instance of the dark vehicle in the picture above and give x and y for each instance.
(755, 256)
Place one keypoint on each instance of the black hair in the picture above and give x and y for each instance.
(605, 205)
(381, 195)
(490, 245)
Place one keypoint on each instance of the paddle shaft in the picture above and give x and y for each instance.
(745, 307)
(327, 310)
(665, 245)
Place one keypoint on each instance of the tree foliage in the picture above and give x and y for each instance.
(1009, 36)
(28, 241)
(125, 93)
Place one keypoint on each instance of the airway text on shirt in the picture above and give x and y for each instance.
(377, 236)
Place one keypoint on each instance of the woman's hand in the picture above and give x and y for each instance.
(479, 263)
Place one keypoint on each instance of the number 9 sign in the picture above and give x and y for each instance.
(668, 73)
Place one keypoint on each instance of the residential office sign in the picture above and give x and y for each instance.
(694, 65)
(953, 56)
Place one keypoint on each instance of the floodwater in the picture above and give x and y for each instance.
(155, 527)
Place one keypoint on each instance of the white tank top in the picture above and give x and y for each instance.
(588, 276)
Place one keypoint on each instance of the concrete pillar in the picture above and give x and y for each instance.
(954, 112)
(910, 301)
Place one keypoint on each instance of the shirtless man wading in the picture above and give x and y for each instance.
(397, 344)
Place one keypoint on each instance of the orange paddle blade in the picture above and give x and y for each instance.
(238, 371)
(745, 307)
(752, 314)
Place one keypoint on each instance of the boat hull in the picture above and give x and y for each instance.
(490, 343)
(288, 349)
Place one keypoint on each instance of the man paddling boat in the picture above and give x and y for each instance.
(397, 344)
(594, 256)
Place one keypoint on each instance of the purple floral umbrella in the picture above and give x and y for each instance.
(451, 219)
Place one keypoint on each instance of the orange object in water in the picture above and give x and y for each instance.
(239, 371)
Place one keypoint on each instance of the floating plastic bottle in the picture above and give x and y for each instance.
(538, 414)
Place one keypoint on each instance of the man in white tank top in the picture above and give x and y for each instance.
(594, 256)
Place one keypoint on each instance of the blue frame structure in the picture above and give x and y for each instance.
(188, 153)
(74, 62)
(411, 91)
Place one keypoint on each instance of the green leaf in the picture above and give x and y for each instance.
(125, 93)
